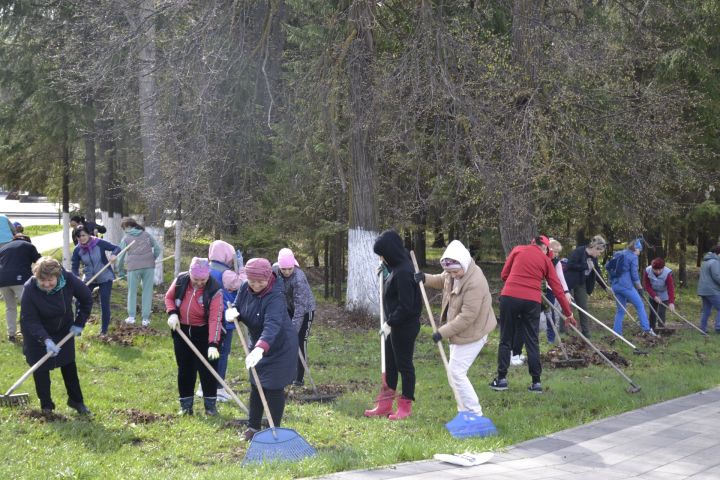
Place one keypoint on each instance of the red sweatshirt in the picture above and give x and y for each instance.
(192, 311)
(523, 273)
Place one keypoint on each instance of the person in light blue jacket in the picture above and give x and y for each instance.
(625, 279)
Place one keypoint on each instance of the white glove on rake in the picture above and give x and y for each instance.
(254, 357)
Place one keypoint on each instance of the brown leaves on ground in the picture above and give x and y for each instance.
(335, 316)
(43, 416)
(138, 416)
(124, 334)
(577, 349)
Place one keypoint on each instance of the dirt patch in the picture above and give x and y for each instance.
(125, 334)
(325, 392)
(138, 416)
(577, 349)
(334, 316)
(43, 416)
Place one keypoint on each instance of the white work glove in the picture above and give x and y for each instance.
(657, 300)
(671, 307)
(569, 297)
(231, 314)
(254, 357)
(385, 330)
(173, 321)
(213, 353)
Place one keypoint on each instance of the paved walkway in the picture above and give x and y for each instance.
(673, 440)
(49, 241)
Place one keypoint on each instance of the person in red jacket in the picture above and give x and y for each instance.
(520, 300)
(658, 283)
(194, 303)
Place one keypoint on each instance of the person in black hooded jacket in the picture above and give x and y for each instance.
(402, 304)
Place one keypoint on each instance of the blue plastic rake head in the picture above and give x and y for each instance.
(284, 445)
(468, 424)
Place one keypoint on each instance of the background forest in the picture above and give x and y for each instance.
(295, 122)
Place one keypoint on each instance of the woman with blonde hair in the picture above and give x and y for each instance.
(46, 317)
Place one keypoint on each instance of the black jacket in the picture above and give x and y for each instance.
(401, 299)
(16, 259)
(576, 267)
(51, 316)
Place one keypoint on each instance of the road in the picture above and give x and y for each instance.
(30, 213)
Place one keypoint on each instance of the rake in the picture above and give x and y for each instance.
(633, 388)
(466, 423)
(567, 361)
(11, 400)
(22, 398)
(609, 289)
(214, 373)
(636, 350)
(316, 396)
(275, 443)
(686, 320)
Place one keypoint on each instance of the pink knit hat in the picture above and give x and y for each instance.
(199, 268)
(258, 269)
(286, 259)
(222, 251)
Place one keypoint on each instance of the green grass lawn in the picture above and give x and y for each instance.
(37, 230)
(125, 384)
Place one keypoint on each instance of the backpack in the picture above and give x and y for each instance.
(615, 267)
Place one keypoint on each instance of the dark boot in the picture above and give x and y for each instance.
(186, 405)
(210, 406)
(383, 403)
(404, 409)
(79, 406)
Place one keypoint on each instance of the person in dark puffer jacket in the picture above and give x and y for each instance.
(46, 317)
(403, 305)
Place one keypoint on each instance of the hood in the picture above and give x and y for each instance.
(135, 231)
(221, 251)
(710, 256)
(457, 251)
(390, 246)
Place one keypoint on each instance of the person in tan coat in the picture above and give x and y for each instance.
(466, 317)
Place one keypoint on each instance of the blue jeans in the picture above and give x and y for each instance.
(105, 291)
(708, 303)
(225, 348)
(624, 295)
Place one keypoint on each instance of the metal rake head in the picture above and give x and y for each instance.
(14, 400)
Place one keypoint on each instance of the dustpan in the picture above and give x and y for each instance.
(465, 424)
(275, 443)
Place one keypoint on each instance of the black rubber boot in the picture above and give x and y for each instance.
(79, 406)
(210, 406)
(186, 405)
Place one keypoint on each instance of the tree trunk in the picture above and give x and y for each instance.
(90, 201)
(66, 200)
(682, 257)
(363, 215)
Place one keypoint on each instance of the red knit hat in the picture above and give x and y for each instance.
(258, 269)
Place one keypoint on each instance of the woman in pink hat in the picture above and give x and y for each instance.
(194, 303)
(300, 302)
(260, 305)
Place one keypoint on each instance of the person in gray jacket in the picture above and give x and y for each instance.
(139, 261)
(709, 287)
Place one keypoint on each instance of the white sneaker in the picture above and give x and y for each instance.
(130, 320)
(199, 392)
(515, 361)
(145, 322)
(222, 395)
(522, 358)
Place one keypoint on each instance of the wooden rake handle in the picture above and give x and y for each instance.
(107, 265)
(38, 364)
(182, 335)
(434, 327)
(257, 380)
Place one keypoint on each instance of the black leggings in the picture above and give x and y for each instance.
(519, 320)
(276, 404)
(72, 385)
(303, 336)
(189, 365)
(399, 349)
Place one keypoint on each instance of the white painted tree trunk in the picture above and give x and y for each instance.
(112, 222)
(178, 246)
(159, 234)
(362, 288)
(66, 241)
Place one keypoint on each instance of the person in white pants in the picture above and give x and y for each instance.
(466, 317)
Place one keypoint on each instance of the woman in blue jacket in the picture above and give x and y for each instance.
(260, 305)
(626, 285)
(90, 252)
